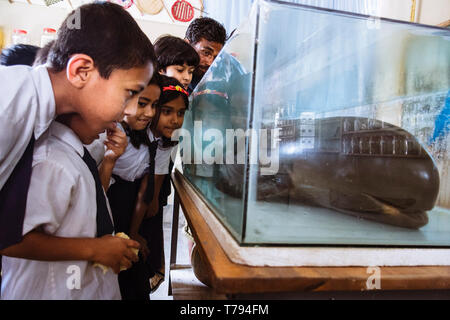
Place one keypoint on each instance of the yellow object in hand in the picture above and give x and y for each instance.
(2, 38)
(105, 268)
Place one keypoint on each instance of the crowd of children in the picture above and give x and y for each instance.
(86, 152)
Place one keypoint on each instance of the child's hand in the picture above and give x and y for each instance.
(152, 208)
(144, 248)
(116, 143)
(115, 252)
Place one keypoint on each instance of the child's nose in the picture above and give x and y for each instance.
(175, 119)
(130, 109)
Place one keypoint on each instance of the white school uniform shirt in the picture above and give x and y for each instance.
(163, 155)
(62, 202)
(97, 148)
(27, 106)
(133, 163)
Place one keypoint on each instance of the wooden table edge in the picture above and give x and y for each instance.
(232, 278)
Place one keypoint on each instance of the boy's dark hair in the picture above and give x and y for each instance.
(108, 34)
(42, 54)
(206, 28)
(172, 50)
(156, 79)
(167, 96)
(18, 54)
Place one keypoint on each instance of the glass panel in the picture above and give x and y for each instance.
(347, 130)
(217, 123)
(360, 105)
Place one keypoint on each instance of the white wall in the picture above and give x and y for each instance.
(433, 11)
(30, 18)
(33, 18)
(155, 29)
(430, 12)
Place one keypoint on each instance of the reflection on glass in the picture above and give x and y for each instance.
(355, 123)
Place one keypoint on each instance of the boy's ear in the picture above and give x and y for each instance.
(187, 41)
(79, 69)
(162, 71)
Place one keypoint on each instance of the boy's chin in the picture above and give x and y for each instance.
(89, 139)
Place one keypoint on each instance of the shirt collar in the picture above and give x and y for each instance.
(67, 136)
(45, 99)
(152, 137)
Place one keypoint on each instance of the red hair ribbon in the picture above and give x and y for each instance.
(176, 88)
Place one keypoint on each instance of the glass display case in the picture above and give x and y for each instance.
(321, 127)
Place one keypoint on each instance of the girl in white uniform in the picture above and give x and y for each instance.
(169, 117)
(127, 175)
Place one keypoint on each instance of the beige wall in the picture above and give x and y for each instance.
(433, 11)
(155, 29)
(430, 12)
(34, 18)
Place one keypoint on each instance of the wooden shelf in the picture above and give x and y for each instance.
(227, 277)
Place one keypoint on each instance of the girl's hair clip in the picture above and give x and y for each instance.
(209, 91)
(175, 88)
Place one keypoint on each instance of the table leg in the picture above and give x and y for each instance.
(174, 239)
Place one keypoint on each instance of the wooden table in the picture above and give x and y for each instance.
(237, 281)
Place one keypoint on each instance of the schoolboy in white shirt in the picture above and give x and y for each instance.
(60, 202)
(94, 82)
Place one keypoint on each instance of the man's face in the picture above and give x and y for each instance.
(103, 101)
(208, 51)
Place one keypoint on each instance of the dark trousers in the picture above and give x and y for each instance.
(155, 241)
(122, 197)
(134, 282)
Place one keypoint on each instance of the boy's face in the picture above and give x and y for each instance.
(181, 73)
(102, 101)
(146, 105)
(207, 51)
(171, 117)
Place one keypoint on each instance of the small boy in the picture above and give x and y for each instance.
(94, 70)
(207, 37)
(176, 58)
